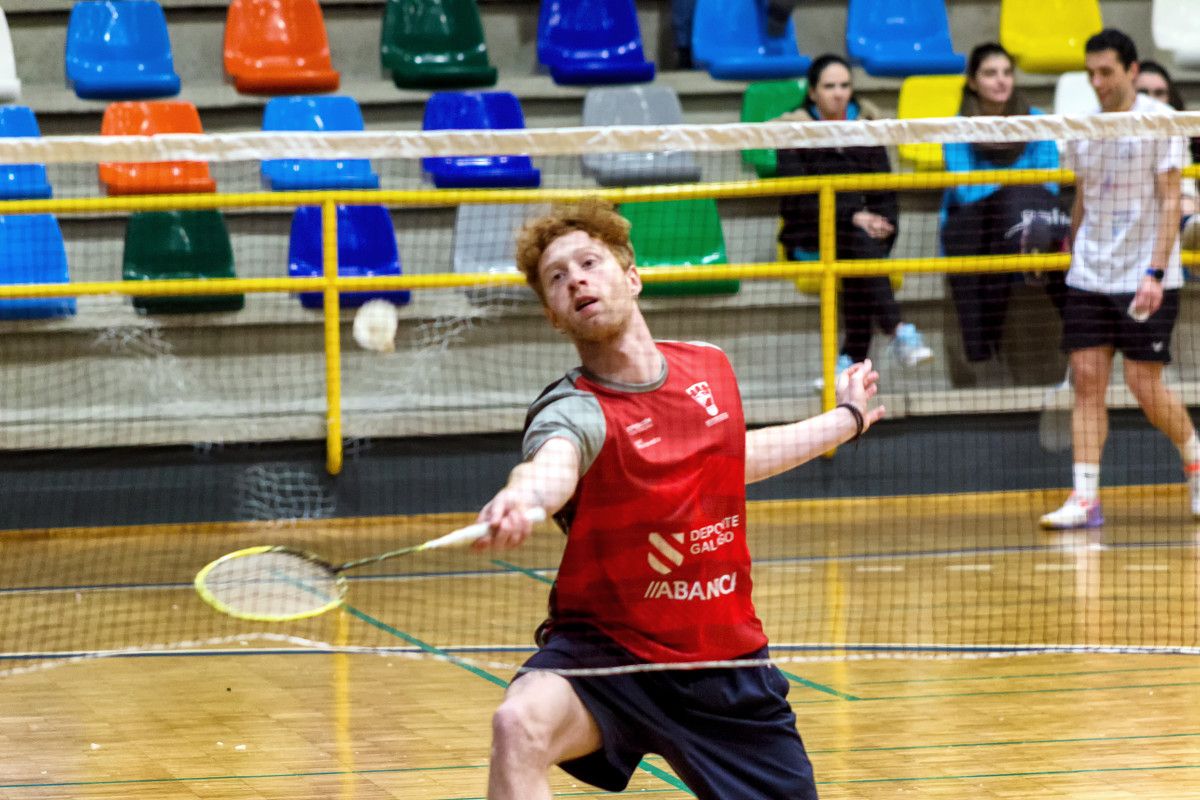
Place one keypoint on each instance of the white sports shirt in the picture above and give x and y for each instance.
(1115, 243)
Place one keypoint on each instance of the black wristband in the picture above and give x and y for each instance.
(858, 418)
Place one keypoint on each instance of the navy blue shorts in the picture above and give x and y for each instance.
(728, 733)
(1092, 319)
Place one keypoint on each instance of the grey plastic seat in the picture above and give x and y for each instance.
(636, 105)
(485, 239)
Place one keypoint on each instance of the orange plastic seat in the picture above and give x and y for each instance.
(148, 118)
(278, 47)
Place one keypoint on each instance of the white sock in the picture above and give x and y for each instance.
(1087, 481)
(1190, 450)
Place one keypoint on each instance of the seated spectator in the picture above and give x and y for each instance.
(1154, 80)
(865, 222)
(993, 219)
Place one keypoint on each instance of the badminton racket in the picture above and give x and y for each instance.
(274, 584)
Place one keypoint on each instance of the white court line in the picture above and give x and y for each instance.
(1054, 567)
(879, 568)
(968, 567)
(788, 567)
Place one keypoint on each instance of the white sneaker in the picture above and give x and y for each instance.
(1075, 513)
(843, 363)
(1192, 472)
(908, 347)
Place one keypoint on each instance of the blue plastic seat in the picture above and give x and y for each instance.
(308, 113)
(32, 251)
(21, 181)
(120, 50)
(589, 42)
(899, 38)
(730, 40)
(366, 249)
(477, 111)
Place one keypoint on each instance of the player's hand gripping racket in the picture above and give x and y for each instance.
(275, 584)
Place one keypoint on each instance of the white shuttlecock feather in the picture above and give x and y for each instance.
(375, 326)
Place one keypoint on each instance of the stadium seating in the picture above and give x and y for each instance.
(762, 102)
(32, 251)
(477, 111)
(676, 233)
(21, 181)
(588, 42)
(730, 40)
(483, 243)
(925, 96)
(366, 249)
(435, 44)
(1176, 28)
(324, 113)
(1073, 94)
(898, 38)
(278, 47)
(179, 245)
(636, 105)
(10, 84)
(1047, 36)
(119, 50)
(147, 118)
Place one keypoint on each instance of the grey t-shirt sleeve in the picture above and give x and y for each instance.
(568, 413)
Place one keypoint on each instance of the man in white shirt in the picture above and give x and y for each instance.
(1123, 284)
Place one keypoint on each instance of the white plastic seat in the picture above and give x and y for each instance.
(1176, 27)
(485, 242)
(1073, 94)
(636, 105)
(10, 84)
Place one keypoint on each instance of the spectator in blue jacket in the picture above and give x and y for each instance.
(992, 219)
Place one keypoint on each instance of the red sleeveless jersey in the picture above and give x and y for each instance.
(656, 554)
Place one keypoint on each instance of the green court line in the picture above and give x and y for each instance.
(1031, 675)
(1006, 743)
(1037, 774)
(266, 775)
(537, 576)
(1014, 691)
(383, 626)
(818, 686)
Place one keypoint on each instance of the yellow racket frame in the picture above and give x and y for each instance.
(207, 596)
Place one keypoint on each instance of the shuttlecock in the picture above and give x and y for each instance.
(375, 326)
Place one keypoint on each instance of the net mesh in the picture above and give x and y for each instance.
(143, 437)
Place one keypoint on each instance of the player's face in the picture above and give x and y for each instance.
(993, 81)
(588, 294)
(1111, 80)
(832, 93)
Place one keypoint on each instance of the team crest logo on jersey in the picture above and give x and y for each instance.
(663, 556)
(702, 393)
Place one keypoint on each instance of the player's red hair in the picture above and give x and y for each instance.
(595, 217)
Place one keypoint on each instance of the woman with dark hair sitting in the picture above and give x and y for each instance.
(865, 220)
(993, 219)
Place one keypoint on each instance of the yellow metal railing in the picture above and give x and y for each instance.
(828, 268)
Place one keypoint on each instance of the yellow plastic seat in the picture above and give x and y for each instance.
(925, 97)
(1047, 36)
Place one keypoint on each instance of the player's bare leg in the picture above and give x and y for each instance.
(1166, 412)
(540, 723)
(1091, 369)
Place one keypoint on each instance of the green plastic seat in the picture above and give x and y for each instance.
(435, 44)
(677, 233)
(176, 245)
(762, 102)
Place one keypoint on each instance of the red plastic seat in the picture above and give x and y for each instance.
(278, 47)
(157, 177)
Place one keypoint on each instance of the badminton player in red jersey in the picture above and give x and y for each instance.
(642, 455)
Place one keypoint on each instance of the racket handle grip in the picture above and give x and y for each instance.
(478, 530)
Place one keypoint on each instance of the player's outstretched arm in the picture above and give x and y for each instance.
(770, 451)
(547, 480)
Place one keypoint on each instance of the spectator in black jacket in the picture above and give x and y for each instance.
(866, 220)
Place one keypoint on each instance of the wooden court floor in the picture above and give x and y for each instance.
(937, 647)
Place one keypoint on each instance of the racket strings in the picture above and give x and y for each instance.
(272, 585)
